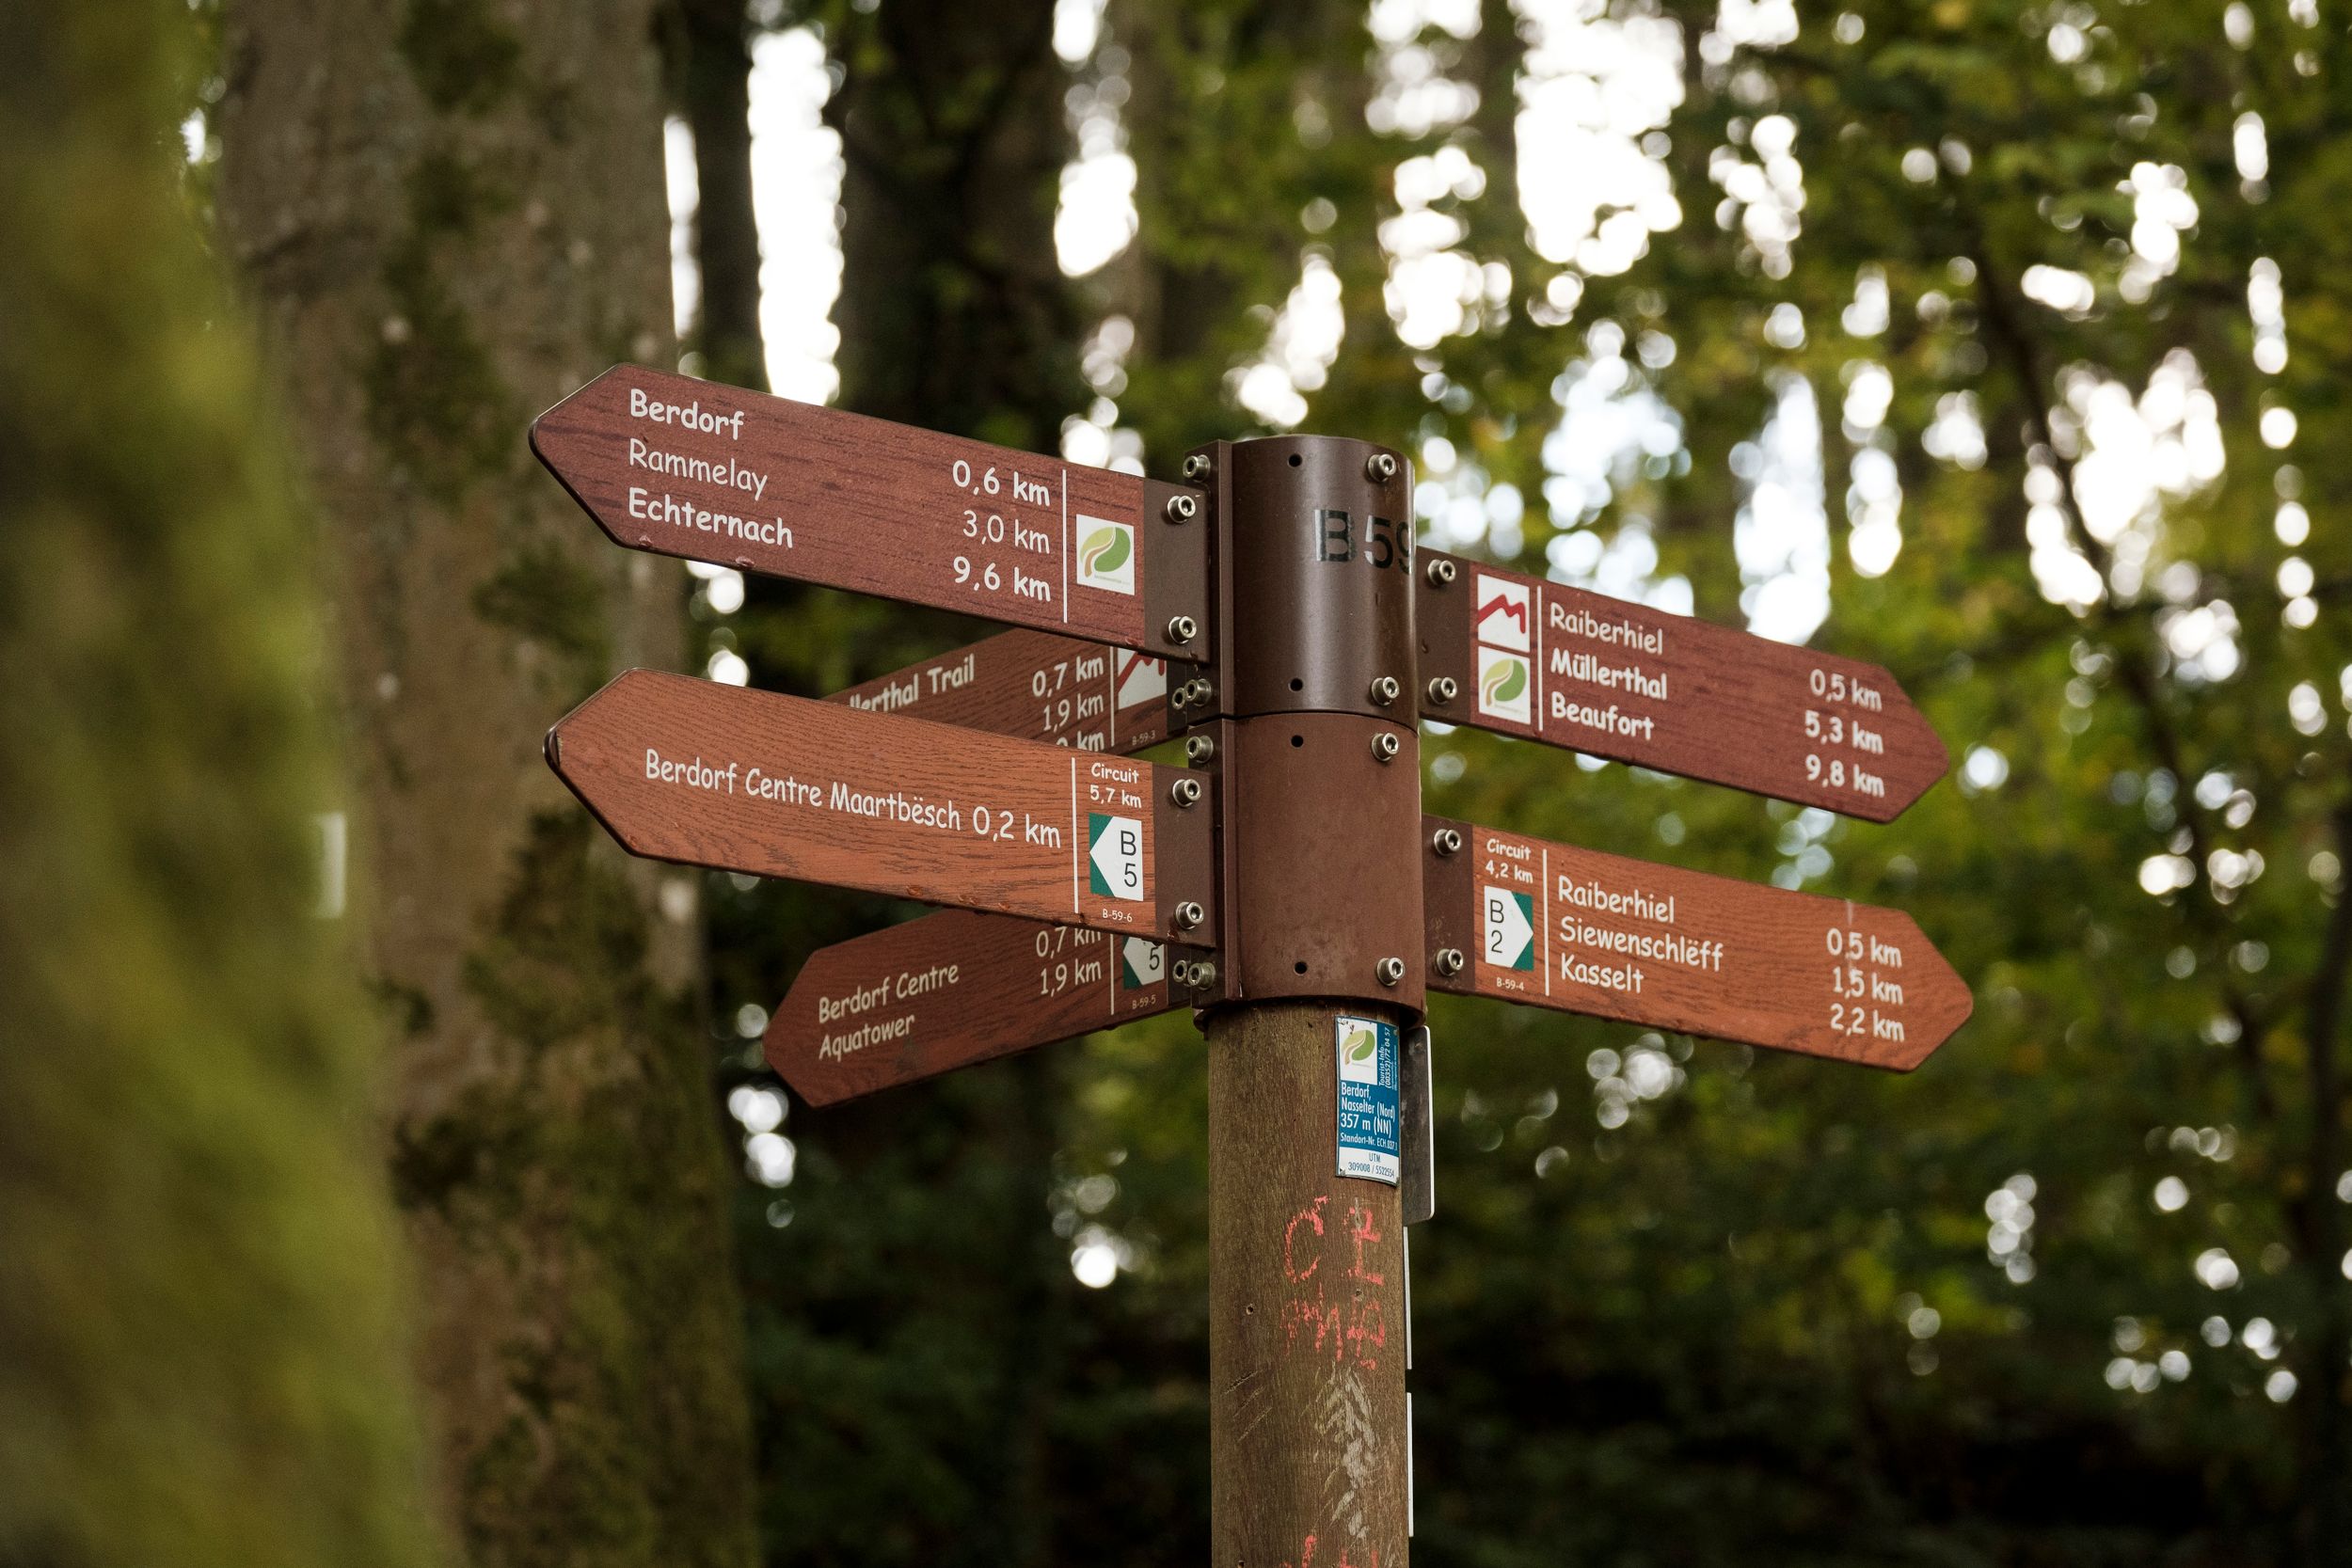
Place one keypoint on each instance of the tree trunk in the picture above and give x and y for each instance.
(706, 49)
(453, 216)
(202, 1308)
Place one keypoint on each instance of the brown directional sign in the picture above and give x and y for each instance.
(688, 467)
(1637, 685)
(1609, 936)
(1032, 684)
(951, 989)
(690, 770)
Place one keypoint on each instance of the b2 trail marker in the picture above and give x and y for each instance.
(713, 473)
(1504, 651)
(1275, 613)
(1583, 932)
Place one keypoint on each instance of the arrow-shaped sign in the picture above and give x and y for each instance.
(690, 770)
(951, 989)
(710, 472)
(1637, 685)
(1052, 689)
(1530, 920)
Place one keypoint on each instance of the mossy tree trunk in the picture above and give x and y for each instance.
(705, 48)
(453, 214)
(202, 1350)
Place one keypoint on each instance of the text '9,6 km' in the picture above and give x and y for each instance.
(687, 468)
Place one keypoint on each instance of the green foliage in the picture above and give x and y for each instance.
(1769, 1314)
(202, 1356)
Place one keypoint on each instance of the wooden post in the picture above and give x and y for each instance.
(1308, 1442)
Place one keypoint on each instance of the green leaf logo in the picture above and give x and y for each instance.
(1504, 683)
(1103, 551)
(1359, 1046)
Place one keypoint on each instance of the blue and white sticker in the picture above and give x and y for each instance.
(1371, 1125)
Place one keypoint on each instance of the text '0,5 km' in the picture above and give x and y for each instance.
(1595, 674)
(1585, 932)
(686, 468)
(690, 770)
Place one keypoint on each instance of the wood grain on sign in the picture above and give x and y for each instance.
(951, 989)
(1608, 937)
(710, 472)
(704, 774)
(1665, 691)
(1033, 685)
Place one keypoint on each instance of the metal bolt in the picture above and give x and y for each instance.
(1189, 915)
(1385, 746)
(1385, 690)
(1197, 466)
(1185, 792)
(1196, 691)
(1180, 697)
(1203, 975)
(1446, 841)
(1199, 750)
(1441, 690)
(1389, 970)
(1440, 571)
(1450, 961)
(1381, 467)
(1182, 508)
(1182, 628)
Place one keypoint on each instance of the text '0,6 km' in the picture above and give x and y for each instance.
(1585, 932)
(1595, 674)
(690, 770)
(686, 468)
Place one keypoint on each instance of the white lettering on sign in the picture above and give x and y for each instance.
(646, 507)
(730, 474)
(1866, 992)
(1577, 621)
(687, 415)
(834, 1047)
(1611, 720)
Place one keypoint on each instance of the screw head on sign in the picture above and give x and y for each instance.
(1199, 749)
(1182, 628)
(1189, 915)
(1390, 970)
(1385, 746)
(1197, 464)
(1183, 509)
(1441, 690)
(1185, 792)
(1197, 691)
(1385, 690)
(1204, 975)
(1381, 467)
(1440, 572)
(1446, 841)
(1450, 961)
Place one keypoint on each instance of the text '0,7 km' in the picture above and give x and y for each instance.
(685, 468)
(690, 770)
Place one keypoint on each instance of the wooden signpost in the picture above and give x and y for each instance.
(693, 469)
(690, 770)
(1507, 652)
(1273, 612)
(950, 989)
(1583, 932)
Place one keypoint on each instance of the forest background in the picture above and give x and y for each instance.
(387, 1173)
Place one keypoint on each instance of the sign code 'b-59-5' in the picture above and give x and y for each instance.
(994, 779)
